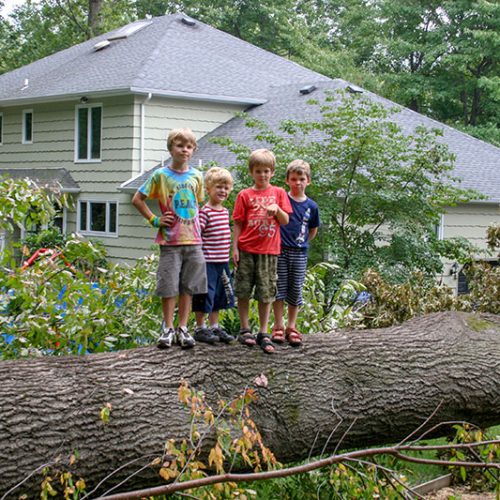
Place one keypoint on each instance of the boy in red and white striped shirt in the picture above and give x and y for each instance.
(216, 237)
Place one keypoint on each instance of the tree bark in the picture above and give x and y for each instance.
(385, 383)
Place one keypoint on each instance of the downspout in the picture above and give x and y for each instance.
(143, 123)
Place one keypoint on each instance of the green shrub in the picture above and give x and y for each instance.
(47, 238)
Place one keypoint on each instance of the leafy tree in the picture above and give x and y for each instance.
(380, 191)
(37, 29)
(441, 58)
(23, 204)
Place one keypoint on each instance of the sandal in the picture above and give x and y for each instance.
(278, 335)
(293, 336)
(246, 337)
(265, 343)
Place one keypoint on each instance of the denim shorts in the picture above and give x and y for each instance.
(181, 271)
(220, 293)
(256, 271)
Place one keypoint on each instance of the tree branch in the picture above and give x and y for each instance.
(300, 469)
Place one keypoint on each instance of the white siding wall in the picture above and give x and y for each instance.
(53, 146)
(469, 221)
(162, 115)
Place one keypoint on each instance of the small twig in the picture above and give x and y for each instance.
(329, 437)
(430, 461)
(390, 478)
(102, 481)
(441, 424)
(198, 446)
(421, 426)
(38, 469)
(312, 446)
(126, 479)
(386, 469)
(411, 447)
(344, 435)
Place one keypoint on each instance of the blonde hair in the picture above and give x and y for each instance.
(300, 167)
(181, 134)
(217, 175)
(262, 157)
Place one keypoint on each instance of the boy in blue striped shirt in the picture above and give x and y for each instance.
(292, 263)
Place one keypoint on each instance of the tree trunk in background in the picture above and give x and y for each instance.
(94, 19)
(388, 381)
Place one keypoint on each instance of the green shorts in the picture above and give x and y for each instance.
(257, 271)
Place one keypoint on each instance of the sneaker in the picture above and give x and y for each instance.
(222, 335)
(184, 338)
(202, 334)
(167, 337)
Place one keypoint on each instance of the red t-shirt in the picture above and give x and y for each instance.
(260, 233)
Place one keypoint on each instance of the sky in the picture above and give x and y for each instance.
(9, 5)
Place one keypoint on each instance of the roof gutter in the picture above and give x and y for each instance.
(198, 97)
(23, 101)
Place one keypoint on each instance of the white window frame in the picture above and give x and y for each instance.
(1, 129)
(89, 134)
(440, 228)
(24, 139)
(87, 232)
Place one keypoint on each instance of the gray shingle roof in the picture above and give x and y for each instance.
(52, 178)
(477, 163)
(166, 56)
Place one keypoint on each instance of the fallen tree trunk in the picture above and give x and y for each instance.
(387, 381)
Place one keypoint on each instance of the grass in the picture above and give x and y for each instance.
(315, 485)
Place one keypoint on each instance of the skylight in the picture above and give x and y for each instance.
(129, 30)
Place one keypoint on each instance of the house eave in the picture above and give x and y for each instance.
(191, 96)
(75, 96)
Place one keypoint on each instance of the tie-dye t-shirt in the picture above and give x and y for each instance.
(179, 192)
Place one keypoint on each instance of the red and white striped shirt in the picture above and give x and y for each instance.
(215, 233)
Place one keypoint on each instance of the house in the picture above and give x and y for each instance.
(101, 110)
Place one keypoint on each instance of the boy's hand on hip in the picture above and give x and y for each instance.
(167, 219)
(272, 209)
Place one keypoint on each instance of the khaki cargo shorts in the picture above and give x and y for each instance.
(256, 271)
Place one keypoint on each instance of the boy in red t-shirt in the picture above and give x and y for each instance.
(258, 213)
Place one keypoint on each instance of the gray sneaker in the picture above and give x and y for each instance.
(167, 337)
(202, 334)
(222, 335)
(184, 337)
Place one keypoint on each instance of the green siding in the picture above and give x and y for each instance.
(53, 147)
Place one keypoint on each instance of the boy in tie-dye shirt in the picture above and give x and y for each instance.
(181, 270)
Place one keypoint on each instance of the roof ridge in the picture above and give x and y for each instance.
(140, 73)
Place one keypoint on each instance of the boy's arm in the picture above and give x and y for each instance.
(236, 236)
(314, 222)
(275, 211)
(281, 209)
(139, 202)
(312, 233)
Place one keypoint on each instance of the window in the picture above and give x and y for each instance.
(439, 228)
(1, 129)
(98, 217)
(28, 126)
(88, 133)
